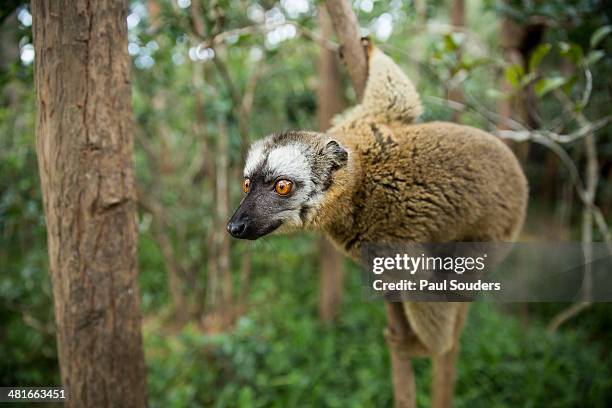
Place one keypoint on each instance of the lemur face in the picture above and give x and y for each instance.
(286, 176)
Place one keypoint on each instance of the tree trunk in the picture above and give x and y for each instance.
(347, 29)
(173, 275)
(9, 47)
(9, 53)
(510, 38)
(330, 102)
(420, 7)
(331, 283)
(164, 170)
(84, 147)
(455, 93)
(223, 214)
(512, 35)
(458, 13)
(402, 374)
(444, 372)
(204, 180)
(518, 41)
(219, 282)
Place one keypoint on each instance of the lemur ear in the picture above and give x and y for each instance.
(337, 155)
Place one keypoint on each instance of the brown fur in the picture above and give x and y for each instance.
(376, 177)
(432, 182)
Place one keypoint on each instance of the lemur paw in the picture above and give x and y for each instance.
(368, 47)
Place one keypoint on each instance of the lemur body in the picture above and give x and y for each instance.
(432, 182)
(376, 177)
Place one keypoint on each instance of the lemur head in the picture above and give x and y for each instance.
(286, 176)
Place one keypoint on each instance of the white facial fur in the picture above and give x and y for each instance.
(290, 161)
(255, 157)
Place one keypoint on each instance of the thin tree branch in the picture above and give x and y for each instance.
(567, 314)
(347, 28)
(553, 142)
(219, 38)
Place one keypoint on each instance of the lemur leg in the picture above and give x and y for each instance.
(402, 375)
(444, 370)
(419, 330)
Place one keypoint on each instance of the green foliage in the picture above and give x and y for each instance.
(278, 354)
(515, 74)
(538, 55)
(599, 35)
(518, 366)
(546, 85)
(571, 51)
(27, 339)
(594, 56)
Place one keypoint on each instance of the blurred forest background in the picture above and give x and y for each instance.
(282, 322)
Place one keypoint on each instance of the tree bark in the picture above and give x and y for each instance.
(219, 283)
(345, 24)
(347, 28)
(510, 38)
(420, 7)
(444, 372)
(331, 281)
(9, 53)
(223, 214)
(173, 268)
(163, 169)
(402, 373)
(9, 47)
(518, 41)
(458, 22)
(84, 148)
(458, 13)
(330, 102)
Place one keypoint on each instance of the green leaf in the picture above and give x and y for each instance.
(546, 85)
(600, 34)
(449, 43)
(457, 38)
(514, 73)
(246, 397)
(538, 54)
(569, 85)
(528, 78)
(571, 51)
(594, 56)
(469, 63)
(495, 94)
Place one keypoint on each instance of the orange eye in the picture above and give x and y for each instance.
(283, 187)
(246, 185)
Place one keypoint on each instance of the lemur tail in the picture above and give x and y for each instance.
(388, 91)
(389, 95)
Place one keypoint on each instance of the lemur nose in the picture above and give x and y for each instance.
(236, 228)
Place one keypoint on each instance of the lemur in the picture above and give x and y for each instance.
(378, 177)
